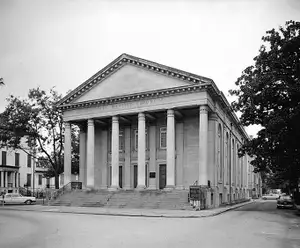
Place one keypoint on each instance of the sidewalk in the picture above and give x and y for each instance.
(125, 212)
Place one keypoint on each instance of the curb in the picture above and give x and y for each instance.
(130, 215)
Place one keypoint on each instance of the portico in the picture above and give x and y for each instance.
(147, 126)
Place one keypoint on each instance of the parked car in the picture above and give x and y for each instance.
(285, 201)
(270, 197)
(15, 198)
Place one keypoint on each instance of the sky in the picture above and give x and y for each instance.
(62, 43)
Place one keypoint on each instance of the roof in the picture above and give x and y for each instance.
(139, 62)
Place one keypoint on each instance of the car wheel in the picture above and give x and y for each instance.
(264, 198)
(28, 202)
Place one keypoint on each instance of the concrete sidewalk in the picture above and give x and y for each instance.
(125, 212)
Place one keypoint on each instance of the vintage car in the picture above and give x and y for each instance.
(15, 198)
(270, 197)
(285, 201)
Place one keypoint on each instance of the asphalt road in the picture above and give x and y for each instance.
(257, 225)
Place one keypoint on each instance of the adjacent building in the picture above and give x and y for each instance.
(147, 126)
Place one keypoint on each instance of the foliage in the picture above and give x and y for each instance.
(268, 95)
(37, 118)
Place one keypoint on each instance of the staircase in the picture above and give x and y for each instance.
(151, 199)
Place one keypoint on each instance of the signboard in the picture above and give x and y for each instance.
(152, 175)
(195, 193)
(76, 185)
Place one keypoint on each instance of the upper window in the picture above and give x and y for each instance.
(17, 159)
(163, 138)
(121, 140)
(28, 160)
(3, 157)
(136, 139)
(40, 179)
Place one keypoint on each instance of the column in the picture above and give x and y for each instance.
(17, 180)
(203, 143)
(82, 158)
(170, 149)
(13, 179)
(127, 171)
(179, 155)
(2, 179)
(6, 179)
(141, 150)
(115, 153)
(104, 164)
(67, 153)
(152, 161)
(90, 161)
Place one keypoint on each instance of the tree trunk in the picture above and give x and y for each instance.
(56, 181)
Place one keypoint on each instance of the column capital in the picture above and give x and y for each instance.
(203, 109)
(90, 122)
(141, 116)
(170, 112)
(115, 119)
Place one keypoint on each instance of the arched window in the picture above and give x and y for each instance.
(227, 156)
(219, 160)
(232, 165)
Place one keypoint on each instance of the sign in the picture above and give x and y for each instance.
(76, 185)
(152, 175)
(195, 193)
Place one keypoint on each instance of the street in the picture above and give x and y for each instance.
(255, 225)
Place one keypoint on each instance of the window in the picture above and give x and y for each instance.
(28, 180)
(121, 140)
(28, 160)
(163, 138)
(17, 159)
(40, 179)
(136, 138)
(3, 157)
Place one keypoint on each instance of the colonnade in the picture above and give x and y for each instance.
(89, 150)
(4, 179)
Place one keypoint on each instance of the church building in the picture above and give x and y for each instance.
(147, 126)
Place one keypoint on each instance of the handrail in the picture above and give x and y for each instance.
(60, 191)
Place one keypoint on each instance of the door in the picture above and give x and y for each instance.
(135, 176)
(120, 176)
(162, 176)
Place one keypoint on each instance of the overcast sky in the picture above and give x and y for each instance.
(62, 43)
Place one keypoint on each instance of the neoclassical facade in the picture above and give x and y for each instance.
(144, 125)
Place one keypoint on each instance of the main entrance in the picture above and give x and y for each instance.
(162, 176)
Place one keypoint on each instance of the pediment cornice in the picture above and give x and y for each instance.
(123, 60)
(139, 96)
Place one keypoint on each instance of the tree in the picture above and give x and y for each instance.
(268, 95)
(38, 119)
(1, 81)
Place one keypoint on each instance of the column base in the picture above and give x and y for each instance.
(169, 188)
(141, 187)
(113, 188)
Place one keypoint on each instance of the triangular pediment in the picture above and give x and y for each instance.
(129, 80)
(130, 75)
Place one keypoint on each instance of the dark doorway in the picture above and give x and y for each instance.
(162, 176)
(135, 176)
(120, 176)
